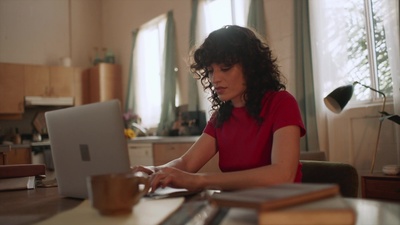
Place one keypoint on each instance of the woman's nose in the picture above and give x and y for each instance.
(215, 77)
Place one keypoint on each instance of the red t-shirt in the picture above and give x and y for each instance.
(244, 144)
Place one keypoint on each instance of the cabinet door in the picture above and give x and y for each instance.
(37, 79)
(61, 81)
(12, 87)
(140, 154)
(165, 152)
(81, 86)
(105, 82)
(17, 156)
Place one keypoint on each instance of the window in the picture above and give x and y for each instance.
(212, 15)
(352, 42)
(148, 64)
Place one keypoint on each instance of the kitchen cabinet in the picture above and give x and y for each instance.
(12, 88)
(155, 150)
(140, 154)
(105, 82)
(55, 81)
(81, 86)
(165, 152)
(16, 155)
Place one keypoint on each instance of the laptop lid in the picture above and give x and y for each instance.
(86, 140)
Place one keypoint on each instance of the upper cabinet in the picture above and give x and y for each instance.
(81, 86)
(100, 83)
(105, 82)
(55, 81)
(12, 88)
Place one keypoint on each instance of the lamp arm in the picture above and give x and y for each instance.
(380, 123)
(373, 89)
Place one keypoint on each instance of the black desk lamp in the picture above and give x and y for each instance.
(338, 98)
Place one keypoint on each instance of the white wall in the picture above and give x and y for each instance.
(26, 31)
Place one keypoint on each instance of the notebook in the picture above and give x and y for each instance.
(86, 140)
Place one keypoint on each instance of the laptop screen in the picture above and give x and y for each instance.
(86, 140)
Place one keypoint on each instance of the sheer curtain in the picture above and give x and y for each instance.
(145, 86)
(351, 135)
(210, 15)
(327, 28)
(392, 22)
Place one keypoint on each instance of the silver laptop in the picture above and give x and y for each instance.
(86, 140)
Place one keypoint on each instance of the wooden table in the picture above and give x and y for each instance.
(30, 206)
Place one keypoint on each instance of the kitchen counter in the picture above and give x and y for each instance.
(4, 147)
(164, 139)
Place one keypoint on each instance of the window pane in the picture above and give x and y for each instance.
(382, 60)
(358, 67)
(148, 67)
(351, 45)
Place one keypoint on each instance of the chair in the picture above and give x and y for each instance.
(343, 174)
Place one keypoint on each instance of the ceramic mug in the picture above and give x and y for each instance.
(116, 194)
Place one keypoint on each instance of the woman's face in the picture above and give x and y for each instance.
(228, 82)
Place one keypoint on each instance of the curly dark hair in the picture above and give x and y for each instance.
(231, 45)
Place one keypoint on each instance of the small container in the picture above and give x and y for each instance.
(17, 137)
(36, 137)
(391, 169)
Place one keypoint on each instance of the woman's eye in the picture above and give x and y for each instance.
(224, 69)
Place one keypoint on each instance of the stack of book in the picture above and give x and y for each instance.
(20, 176)
(292, 203)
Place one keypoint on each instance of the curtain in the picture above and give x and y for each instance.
(333, 66)
(193, 104)
(304, 76)
(130, 101)
(392, 23)
(169, 80)
(256, 18)
(147, 75)
(328, 41)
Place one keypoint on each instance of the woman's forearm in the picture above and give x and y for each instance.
(247, 178)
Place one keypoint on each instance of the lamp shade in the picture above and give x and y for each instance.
(338, 98)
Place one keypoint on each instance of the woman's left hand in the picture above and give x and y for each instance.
(172, 177)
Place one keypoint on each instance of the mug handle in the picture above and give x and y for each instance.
(146, 182)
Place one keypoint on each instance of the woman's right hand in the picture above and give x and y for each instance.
(144, 169)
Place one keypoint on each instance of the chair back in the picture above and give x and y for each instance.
(345, 175)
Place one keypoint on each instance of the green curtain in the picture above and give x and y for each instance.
(130, 94)
(304, 76)
(256, 18)
(193, 104)
(168, 102)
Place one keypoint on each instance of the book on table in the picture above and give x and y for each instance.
(20, 176)
(328, 211)
(292, 203)
(275, 196)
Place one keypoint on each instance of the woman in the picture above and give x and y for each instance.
(255, 126)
